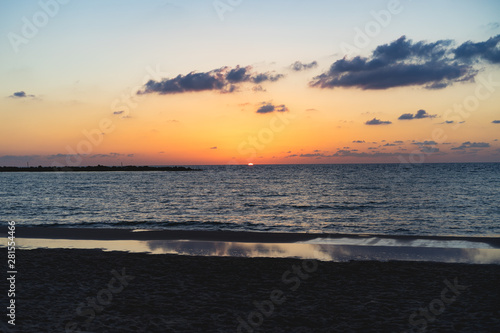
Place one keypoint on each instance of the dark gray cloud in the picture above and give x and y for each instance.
(426, 143)
(268, 108)
(314, 155)
(351, 153)
(110, 155)
(262, 77)
(224, 79)
(118, 112)
(421, 114)
(54, 156)
(488, 50)
(406, 63)
(299, 66)
(496, 121)
(376, 121)
(406, 116)
(429, 150)
(14, 158)
(358, 141)
(20, 94)
(469, 144)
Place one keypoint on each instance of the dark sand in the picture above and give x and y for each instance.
(208, 294)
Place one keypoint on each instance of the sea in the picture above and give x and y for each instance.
(459, 199)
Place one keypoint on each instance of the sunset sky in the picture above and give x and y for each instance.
(239, 81)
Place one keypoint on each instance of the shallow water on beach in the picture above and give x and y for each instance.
(479, 254)
(391, 199)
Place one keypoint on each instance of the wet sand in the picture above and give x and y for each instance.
(207, 235)
(90, 290)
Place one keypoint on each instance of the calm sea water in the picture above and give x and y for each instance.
(427, 199)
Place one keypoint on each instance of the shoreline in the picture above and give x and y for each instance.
(323, 247)
(220, 236)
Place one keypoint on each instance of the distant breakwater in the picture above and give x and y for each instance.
(95, 168)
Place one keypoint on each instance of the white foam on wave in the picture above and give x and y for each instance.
(376, 241)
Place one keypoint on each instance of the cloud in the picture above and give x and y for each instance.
(469, 144)
(258, 78)
(352, 153)
(358, 141)
(15, 158)
(429, 150)
(213, 147)
(495, 122)
(20, 94)
(421, 114)
(118, 112)
(488, 50)
(268, 108)
(110, 155)
(298, 66)
(404, 63)
(491, 26)
(406, 116)
(314, 155)
(224, 79)
(376, 121)
(54, 156)
(426, 143)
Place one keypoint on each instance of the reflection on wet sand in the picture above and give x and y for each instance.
(325, 252)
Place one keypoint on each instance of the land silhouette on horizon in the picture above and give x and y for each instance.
(94, 168)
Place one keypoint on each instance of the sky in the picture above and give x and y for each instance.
(202, 82)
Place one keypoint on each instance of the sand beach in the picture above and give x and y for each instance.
(69, 290)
